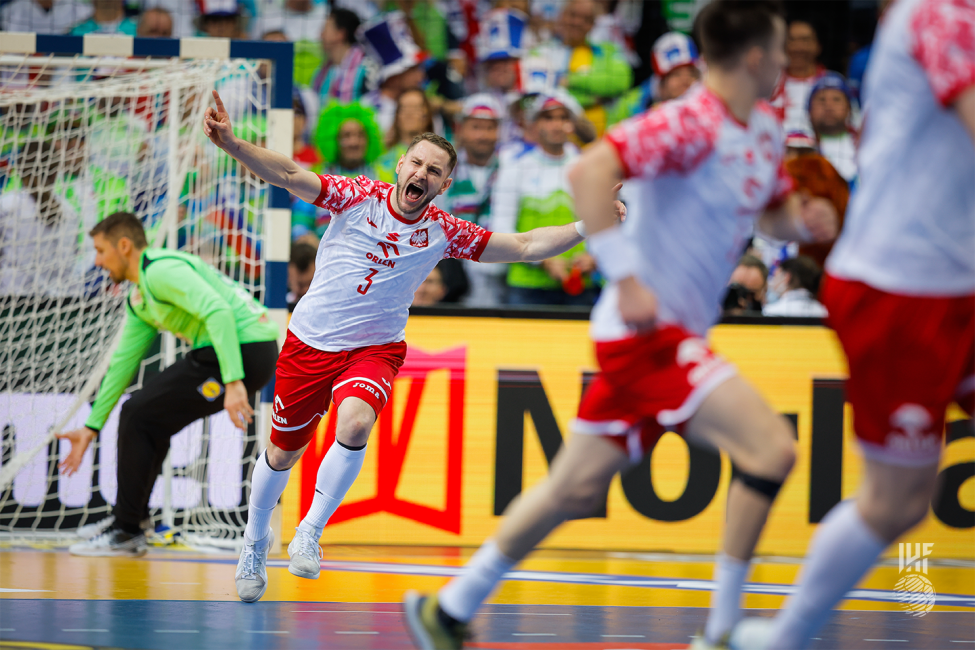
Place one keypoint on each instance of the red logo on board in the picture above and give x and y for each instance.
(393, 442)
(419, 239)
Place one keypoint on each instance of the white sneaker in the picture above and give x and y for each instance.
(305, 554)
(89, 531)
(111, 543)
(251, 576)
(753, 633)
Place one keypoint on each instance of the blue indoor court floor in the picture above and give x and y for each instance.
(557, 599)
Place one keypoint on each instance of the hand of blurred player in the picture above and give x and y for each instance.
(637, 304)
(556, 267)
(238, 404)
(620, 208)
(79, 439)
(216, 124)
(819, 218)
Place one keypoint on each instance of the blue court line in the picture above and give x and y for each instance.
(596, 579)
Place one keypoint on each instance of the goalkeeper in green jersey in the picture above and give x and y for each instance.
(234, 351)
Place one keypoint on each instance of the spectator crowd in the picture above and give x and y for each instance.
(519, 87)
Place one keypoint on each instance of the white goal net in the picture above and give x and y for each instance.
(82, 138)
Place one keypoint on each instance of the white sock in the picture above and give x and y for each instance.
(842, 550)
(729, 575)
(266, 487)
(461, 597)
(336, 475)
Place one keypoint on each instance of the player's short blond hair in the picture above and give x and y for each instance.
(440, 142)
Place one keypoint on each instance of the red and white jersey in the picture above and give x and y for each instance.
(370, 263)
(702, 178)
(910, 227)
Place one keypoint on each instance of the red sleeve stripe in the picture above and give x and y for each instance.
(948, 96)
(481, 245)
(618, 149)
(321, 195)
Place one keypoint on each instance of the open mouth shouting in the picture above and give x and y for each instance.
(412, 196)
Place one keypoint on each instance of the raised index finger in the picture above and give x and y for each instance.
(220, 107)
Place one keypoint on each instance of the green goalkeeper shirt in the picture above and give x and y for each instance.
(184, 295)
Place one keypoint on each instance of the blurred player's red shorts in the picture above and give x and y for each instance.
(308, 379)
(909, 358)
(649, 384)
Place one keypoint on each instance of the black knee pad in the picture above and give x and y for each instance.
(760, 485)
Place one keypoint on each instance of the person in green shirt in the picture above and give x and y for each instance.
(233, 355)
(108, 18)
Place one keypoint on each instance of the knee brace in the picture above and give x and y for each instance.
(761, 485)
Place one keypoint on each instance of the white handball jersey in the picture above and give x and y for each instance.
(702, 178)
(370, 263)
(910, 227)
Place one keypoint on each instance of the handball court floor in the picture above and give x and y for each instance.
(575, 600)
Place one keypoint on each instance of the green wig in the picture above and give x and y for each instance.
(331, 119)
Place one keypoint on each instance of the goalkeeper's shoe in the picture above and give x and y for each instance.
(305, 554)
(90, 531)
(430, 628)
(113, 542)
(251, 576)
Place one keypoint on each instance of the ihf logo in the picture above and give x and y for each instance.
(914, 590)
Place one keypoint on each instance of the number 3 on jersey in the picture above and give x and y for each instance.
(363, 288)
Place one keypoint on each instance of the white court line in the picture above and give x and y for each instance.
(176, 631)
(519, 614)
(82, 629)
(534, 634)
(179, 583)
(888, 640)
(354, 632)
(341, 611)
(268, 632)
(623, 636)
(953, 641)
(7, 629)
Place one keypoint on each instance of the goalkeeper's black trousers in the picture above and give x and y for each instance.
(184, 392)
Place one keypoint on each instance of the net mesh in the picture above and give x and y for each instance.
(81, 138)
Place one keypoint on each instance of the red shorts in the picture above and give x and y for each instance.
(649, 384)
(909, 358)
(307, 379)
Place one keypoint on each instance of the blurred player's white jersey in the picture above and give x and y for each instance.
(702, 178)
(370, 263)
(910, 228)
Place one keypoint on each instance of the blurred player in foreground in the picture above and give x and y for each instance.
(345, 341)
(900, 289)
(711, 165)
(234, 347)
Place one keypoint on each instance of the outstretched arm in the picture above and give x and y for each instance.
(541, 243)
(270, 166)
(532, 246)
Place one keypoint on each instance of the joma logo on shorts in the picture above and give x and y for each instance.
(911, 430)
(367, 387)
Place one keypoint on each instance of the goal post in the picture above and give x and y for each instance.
(92, 125)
